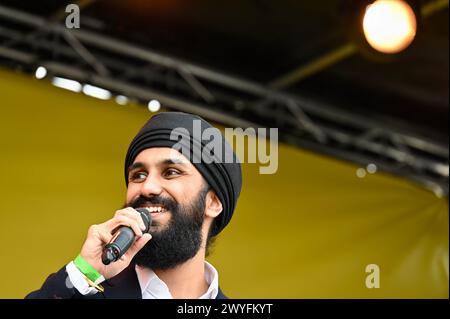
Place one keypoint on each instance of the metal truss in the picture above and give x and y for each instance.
(28, 41)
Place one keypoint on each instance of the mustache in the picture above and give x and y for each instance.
(168, 203)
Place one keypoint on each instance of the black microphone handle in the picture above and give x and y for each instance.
(123, 239)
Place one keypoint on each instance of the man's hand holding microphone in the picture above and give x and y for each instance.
(110, 247)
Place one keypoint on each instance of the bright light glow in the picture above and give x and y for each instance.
(361, 172)
(371, 168)
(389, 25)
(41, 72)
(442, 169)
(96, 92)
(67, 84)
(154, 106)
(121, 99)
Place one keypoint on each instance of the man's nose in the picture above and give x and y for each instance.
(151, 187)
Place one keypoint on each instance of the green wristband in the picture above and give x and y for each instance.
(86, 268)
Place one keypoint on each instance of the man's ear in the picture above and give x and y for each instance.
(213, 205)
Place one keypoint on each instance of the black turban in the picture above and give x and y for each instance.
(222, 174)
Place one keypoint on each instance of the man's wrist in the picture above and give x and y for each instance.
(79, 282)
(86, 268)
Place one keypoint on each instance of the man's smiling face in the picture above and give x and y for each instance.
(165, 182)
(160, 178)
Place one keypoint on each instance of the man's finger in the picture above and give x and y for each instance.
(122, 220)
(138, 245)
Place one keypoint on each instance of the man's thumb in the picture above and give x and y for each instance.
(139, 244)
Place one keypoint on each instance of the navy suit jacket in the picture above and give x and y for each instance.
(123, 286)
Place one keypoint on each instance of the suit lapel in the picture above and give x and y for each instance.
(220, 295)
(123, 286)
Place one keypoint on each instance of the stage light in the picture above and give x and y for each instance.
(67, 84)
(442, 169)
(389, 25)
(96, 92)
(361, 172)
(371, 168)
(121, 99)
(41, 72)
(154, 106)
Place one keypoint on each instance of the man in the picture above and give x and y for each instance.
(190, 202)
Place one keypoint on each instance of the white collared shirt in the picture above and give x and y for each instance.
(154, 288)
(151, 286)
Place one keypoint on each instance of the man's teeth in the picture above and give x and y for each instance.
(155, 209)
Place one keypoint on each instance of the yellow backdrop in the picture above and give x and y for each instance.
(308, 231)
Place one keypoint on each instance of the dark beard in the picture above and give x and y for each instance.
(178, 241)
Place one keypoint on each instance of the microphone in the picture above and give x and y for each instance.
(123, 239)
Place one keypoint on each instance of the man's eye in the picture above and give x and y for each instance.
(138, 176)
(171, 172)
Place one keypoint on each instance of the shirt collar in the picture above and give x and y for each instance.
(154, 288)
